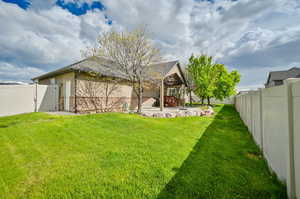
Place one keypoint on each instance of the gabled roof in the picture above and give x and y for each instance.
(107, 68)
(282, 75)
(163, 68)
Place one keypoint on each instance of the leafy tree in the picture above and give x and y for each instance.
(203, 72)
(226, 84)
(211, 79)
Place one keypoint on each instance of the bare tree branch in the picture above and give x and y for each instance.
(132, 53)
(96, 93)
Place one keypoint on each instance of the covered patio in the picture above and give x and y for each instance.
(172, 89)
(172, 92)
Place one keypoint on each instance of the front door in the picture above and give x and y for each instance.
(67, 95)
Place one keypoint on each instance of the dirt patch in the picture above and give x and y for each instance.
(254, 155)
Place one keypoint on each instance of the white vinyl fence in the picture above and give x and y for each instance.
(16, 99)
(272, 115)
(228, 100)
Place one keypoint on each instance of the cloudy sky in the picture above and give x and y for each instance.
(252, 36)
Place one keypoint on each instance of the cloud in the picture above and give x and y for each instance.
(252, 36)
(9, 72)
(47, 38)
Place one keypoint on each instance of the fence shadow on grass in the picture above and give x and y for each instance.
(225, 163)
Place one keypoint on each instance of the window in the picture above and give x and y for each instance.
(171, 92)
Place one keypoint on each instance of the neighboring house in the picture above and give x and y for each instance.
(97, 85)
(276, 78)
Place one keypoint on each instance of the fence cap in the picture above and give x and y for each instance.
(291, 80)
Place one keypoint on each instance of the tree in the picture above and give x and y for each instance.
(211, 79)
(132, 53)
(190, 86)
(96, 91)
(204, 72)
(226, 84)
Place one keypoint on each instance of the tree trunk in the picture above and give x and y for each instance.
(191, 100)
(208, 100)
(202, 100)
(140, 98)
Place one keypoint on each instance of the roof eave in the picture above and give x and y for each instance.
(53, 73)
(58, 71)
(182, 74)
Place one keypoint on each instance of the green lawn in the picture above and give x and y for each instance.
(131, 157)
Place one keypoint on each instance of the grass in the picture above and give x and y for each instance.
(128, 156)
(200, 105)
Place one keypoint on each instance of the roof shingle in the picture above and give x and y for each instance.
(282, 75)
(107, 67)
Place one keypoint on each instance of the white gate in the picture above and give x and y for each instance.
(47, 98)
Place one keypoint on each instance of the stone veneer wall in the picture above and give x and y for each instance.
(115, 104)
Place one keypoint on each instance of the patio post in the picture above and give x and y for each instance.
(162, 95)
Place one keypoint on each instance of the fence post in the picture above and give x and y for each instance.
(35, 97)
(291, 181)
(261, 119)
(251, 111)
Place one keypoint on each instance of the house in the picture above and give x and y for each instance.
(96, 84)
(276, 78)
